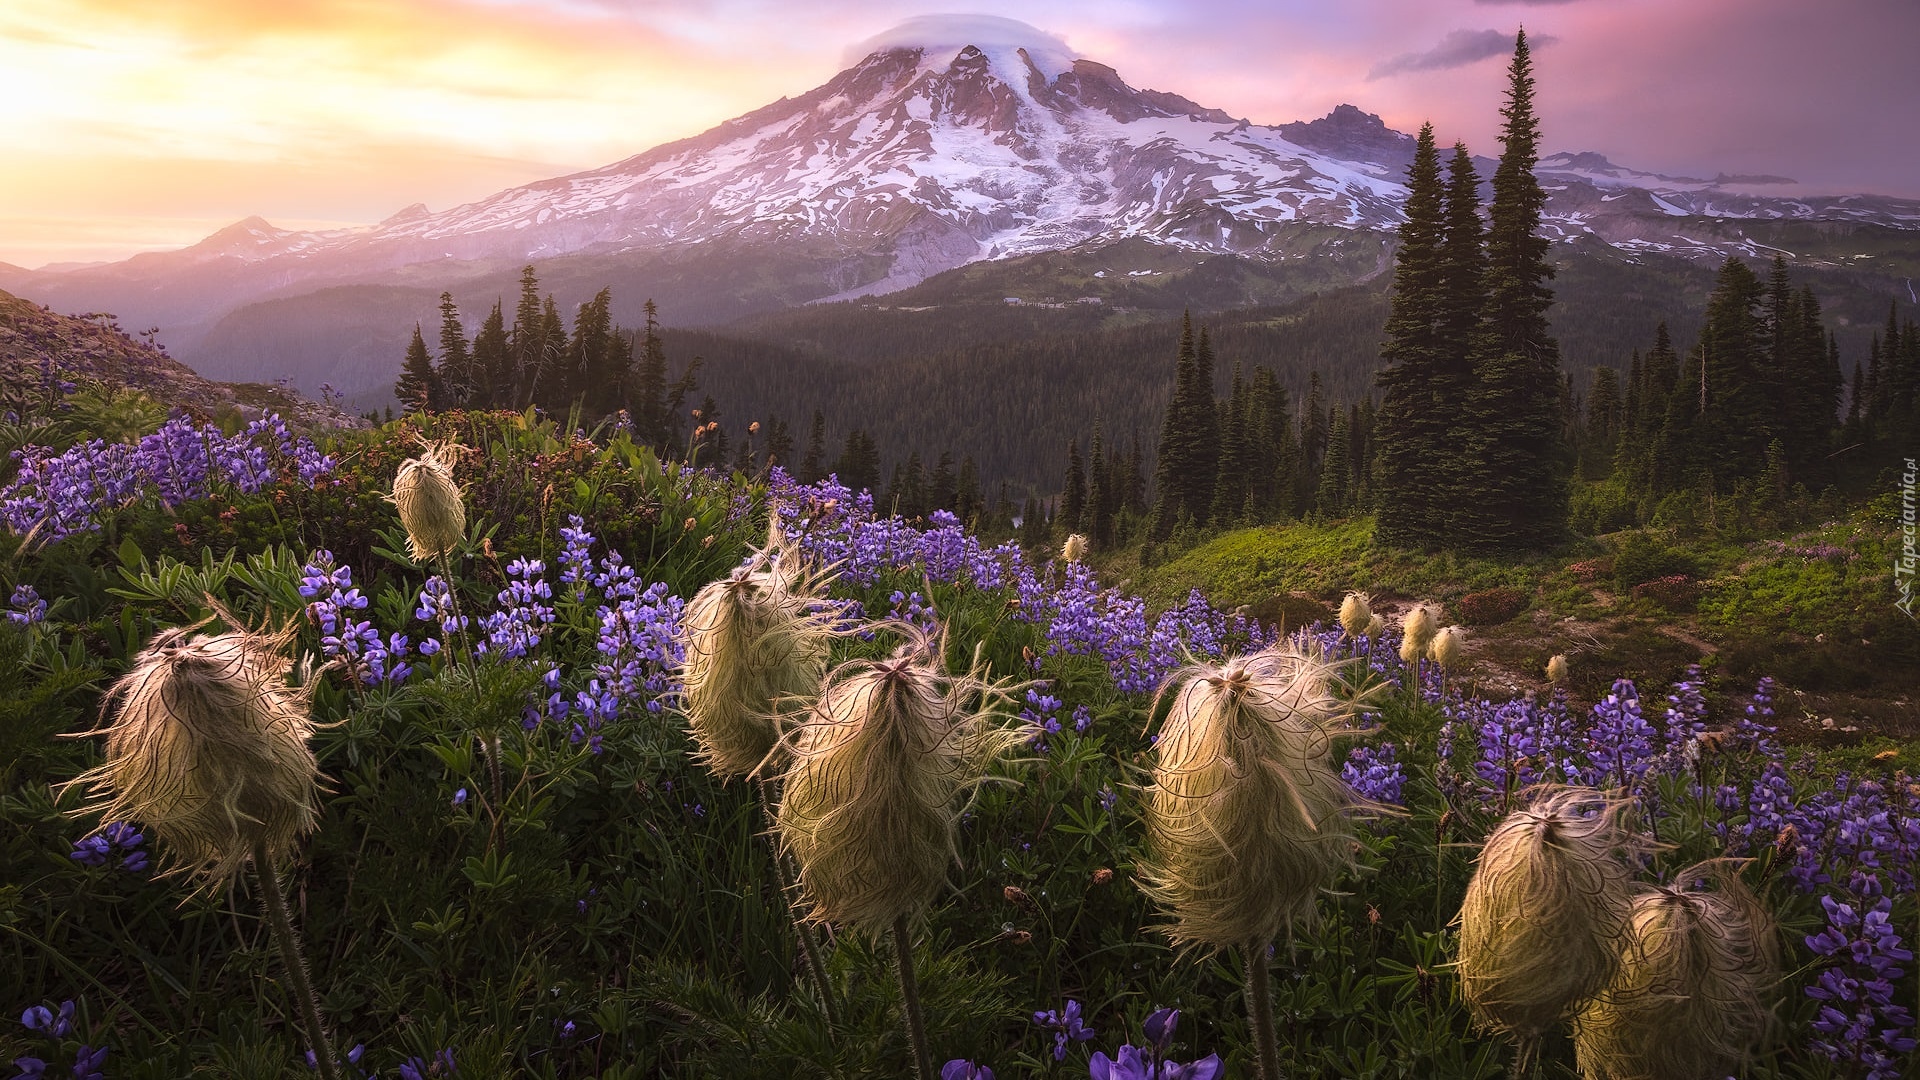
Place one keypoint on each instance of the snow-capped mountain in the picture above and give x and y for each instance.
(952, 143)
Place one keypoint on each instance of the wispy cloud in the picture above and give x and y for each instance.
(1458, 49)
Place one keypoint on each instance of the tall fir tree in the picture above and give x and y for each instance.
(813, 463)
(1073, 491)
(418, 385)
(1513, 491)
(456, 364)
(779, 444)
(1336, 470)
(529, 344)
(492, 363)
(1412, 425)
(1174, 459)
(968, 500)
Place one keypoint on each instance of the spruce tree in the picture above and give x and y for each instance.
(1336, 469)
(456, 365)
(941, 492)
(968, 500)
(417, 388)
(1233, 481)
(813, 464)
(1412, 509)
(529, 345)
(492, 364)
(1515, 462)
(859, 464)
(1096, 520)
(1204, 435)
(779, 444)
(1174, 459)
(1073, 493)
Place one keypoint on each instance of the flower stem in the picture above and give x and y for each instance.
(910, 999)
(288, 939)
(1260, 1010)
(801, 932)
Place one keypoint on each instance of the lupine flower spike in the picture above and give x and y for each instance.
(1546, 912)
(429, 502)
(1355, 613)
(1416, 633)
(1693, 991)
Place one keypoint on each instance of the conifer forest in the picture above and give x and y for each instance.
(632, 701)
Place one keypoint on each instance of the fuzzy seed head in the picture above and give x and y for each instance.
(429, 502)
(1074, 550)
(871, 800)
(1448, 648)
(1416, 633)
(1557, 668)
(1546, 911)
(1355, 613)
(756, 651)
(1692, 994)
(1247, 818)
(1376, 626)
(207, 749)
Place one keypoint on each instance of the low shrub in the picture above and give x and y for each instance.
(1490, 607)
(1675, 592)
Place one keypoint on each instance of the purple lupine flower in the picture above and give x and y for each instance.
(1859, 1023)
(1066, 1025)
(54, 1025)
(1621, 738)
(27, 606)
(87, 1063)
(962, 1069)
(1373, 772)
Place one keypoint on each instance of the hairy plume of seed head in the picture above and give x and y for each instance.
(429, 502)
(1355, 613)
(871, 800)
(1546, 910)
(207, 749)
(1247, 819)
(1448, 648)
(1557, 668)
(756, 651)
(1074, 550)
(1416, 633)
(1693, 991)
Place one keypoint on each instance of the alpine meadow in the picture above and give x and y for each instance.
(973, 569)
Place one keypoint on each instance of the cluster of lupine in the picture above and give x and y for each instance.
(637, 650)
(355, 643)
(1859, 1022)
(25, 606)
(88, 1061)
(1374, 773)
(1150, 1062)
(57, 495)
(117, 839)
(1066, 1025)
(832, 525)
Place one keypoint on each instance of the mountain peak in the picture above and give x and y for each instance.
(1352, 134)
(940, 37)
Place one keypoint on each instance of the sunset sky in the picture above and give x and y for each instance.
(132, 125)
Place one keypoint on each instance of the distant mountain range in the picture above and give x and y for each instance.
(917, 160)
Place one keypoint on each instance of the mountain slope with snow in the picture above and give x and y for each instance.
(948, 142)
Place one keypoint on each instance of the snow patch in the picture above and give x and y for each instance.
(999, 38)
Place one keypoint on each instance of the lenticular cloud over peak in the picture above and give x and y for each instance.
(989, 33)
